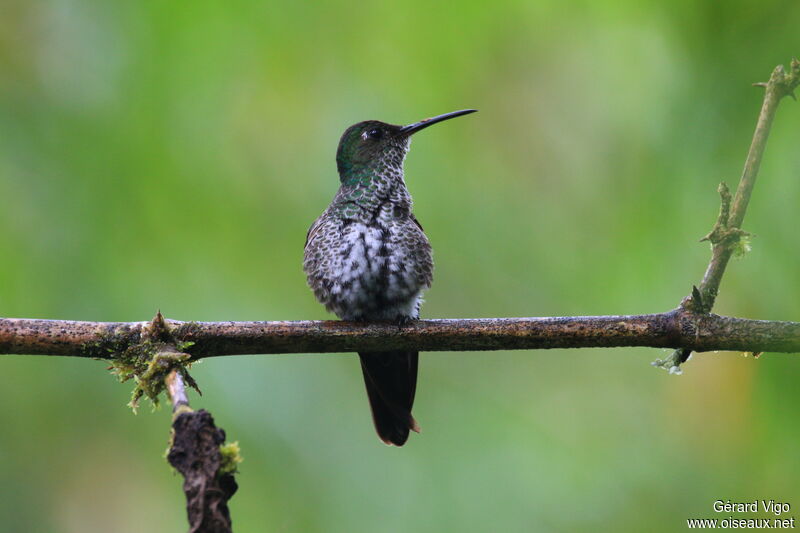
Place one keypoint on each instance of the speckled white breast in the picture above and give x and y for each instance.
(373, 278)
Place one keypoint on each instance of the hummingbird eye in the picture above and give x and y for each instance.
(374, 133)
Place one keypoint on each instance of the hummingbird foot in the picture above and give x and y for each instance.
(402, 321)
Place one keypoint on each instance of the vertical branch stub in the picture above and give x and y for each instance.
(196, 453)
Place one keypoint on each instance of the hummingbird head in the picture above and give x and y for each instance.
(372, 146)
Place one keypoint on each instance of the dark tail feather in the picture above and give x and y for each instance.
(391, 379)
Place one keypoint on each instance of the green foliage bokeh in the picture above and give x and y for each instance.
(172, 155)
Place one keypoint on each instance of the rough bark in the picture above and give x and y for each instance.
(195, 453)
(679, 328)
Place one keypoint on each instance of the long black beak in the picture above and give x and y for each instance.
(422, 124)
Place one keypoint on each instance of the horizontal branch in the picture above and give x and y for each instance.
(678, 328)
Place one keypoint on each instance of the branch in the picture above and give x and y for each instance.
(176, 391)
(198, 452)
(677, 328)
(726, 236)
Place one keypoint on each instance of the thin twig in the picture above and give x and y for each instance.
(176, 391)
(727, 231)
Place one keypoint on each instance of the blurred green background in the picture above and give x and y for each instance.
(172, 155)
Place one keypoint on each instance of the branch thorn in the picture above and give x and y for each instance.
(697, 298)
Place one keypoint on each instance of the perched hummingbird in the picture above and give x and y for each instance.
(367, 258)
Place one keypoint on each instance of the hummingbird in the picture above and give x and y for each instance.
(367, 258)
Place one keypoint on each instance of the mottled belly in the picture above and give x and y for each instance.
(371, 277)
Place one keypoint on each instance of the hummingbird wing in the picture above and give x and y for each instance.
(391, 380)
(414, 219)
(313, 229)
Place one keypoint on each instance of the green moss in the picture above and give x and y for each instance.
(187, 329)
(742, 245)
(670, 363)
(109, 343)
(182, 346)
(231, 458)
(151, 382)
(149, 363)
(148, 358)
(131, 361)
